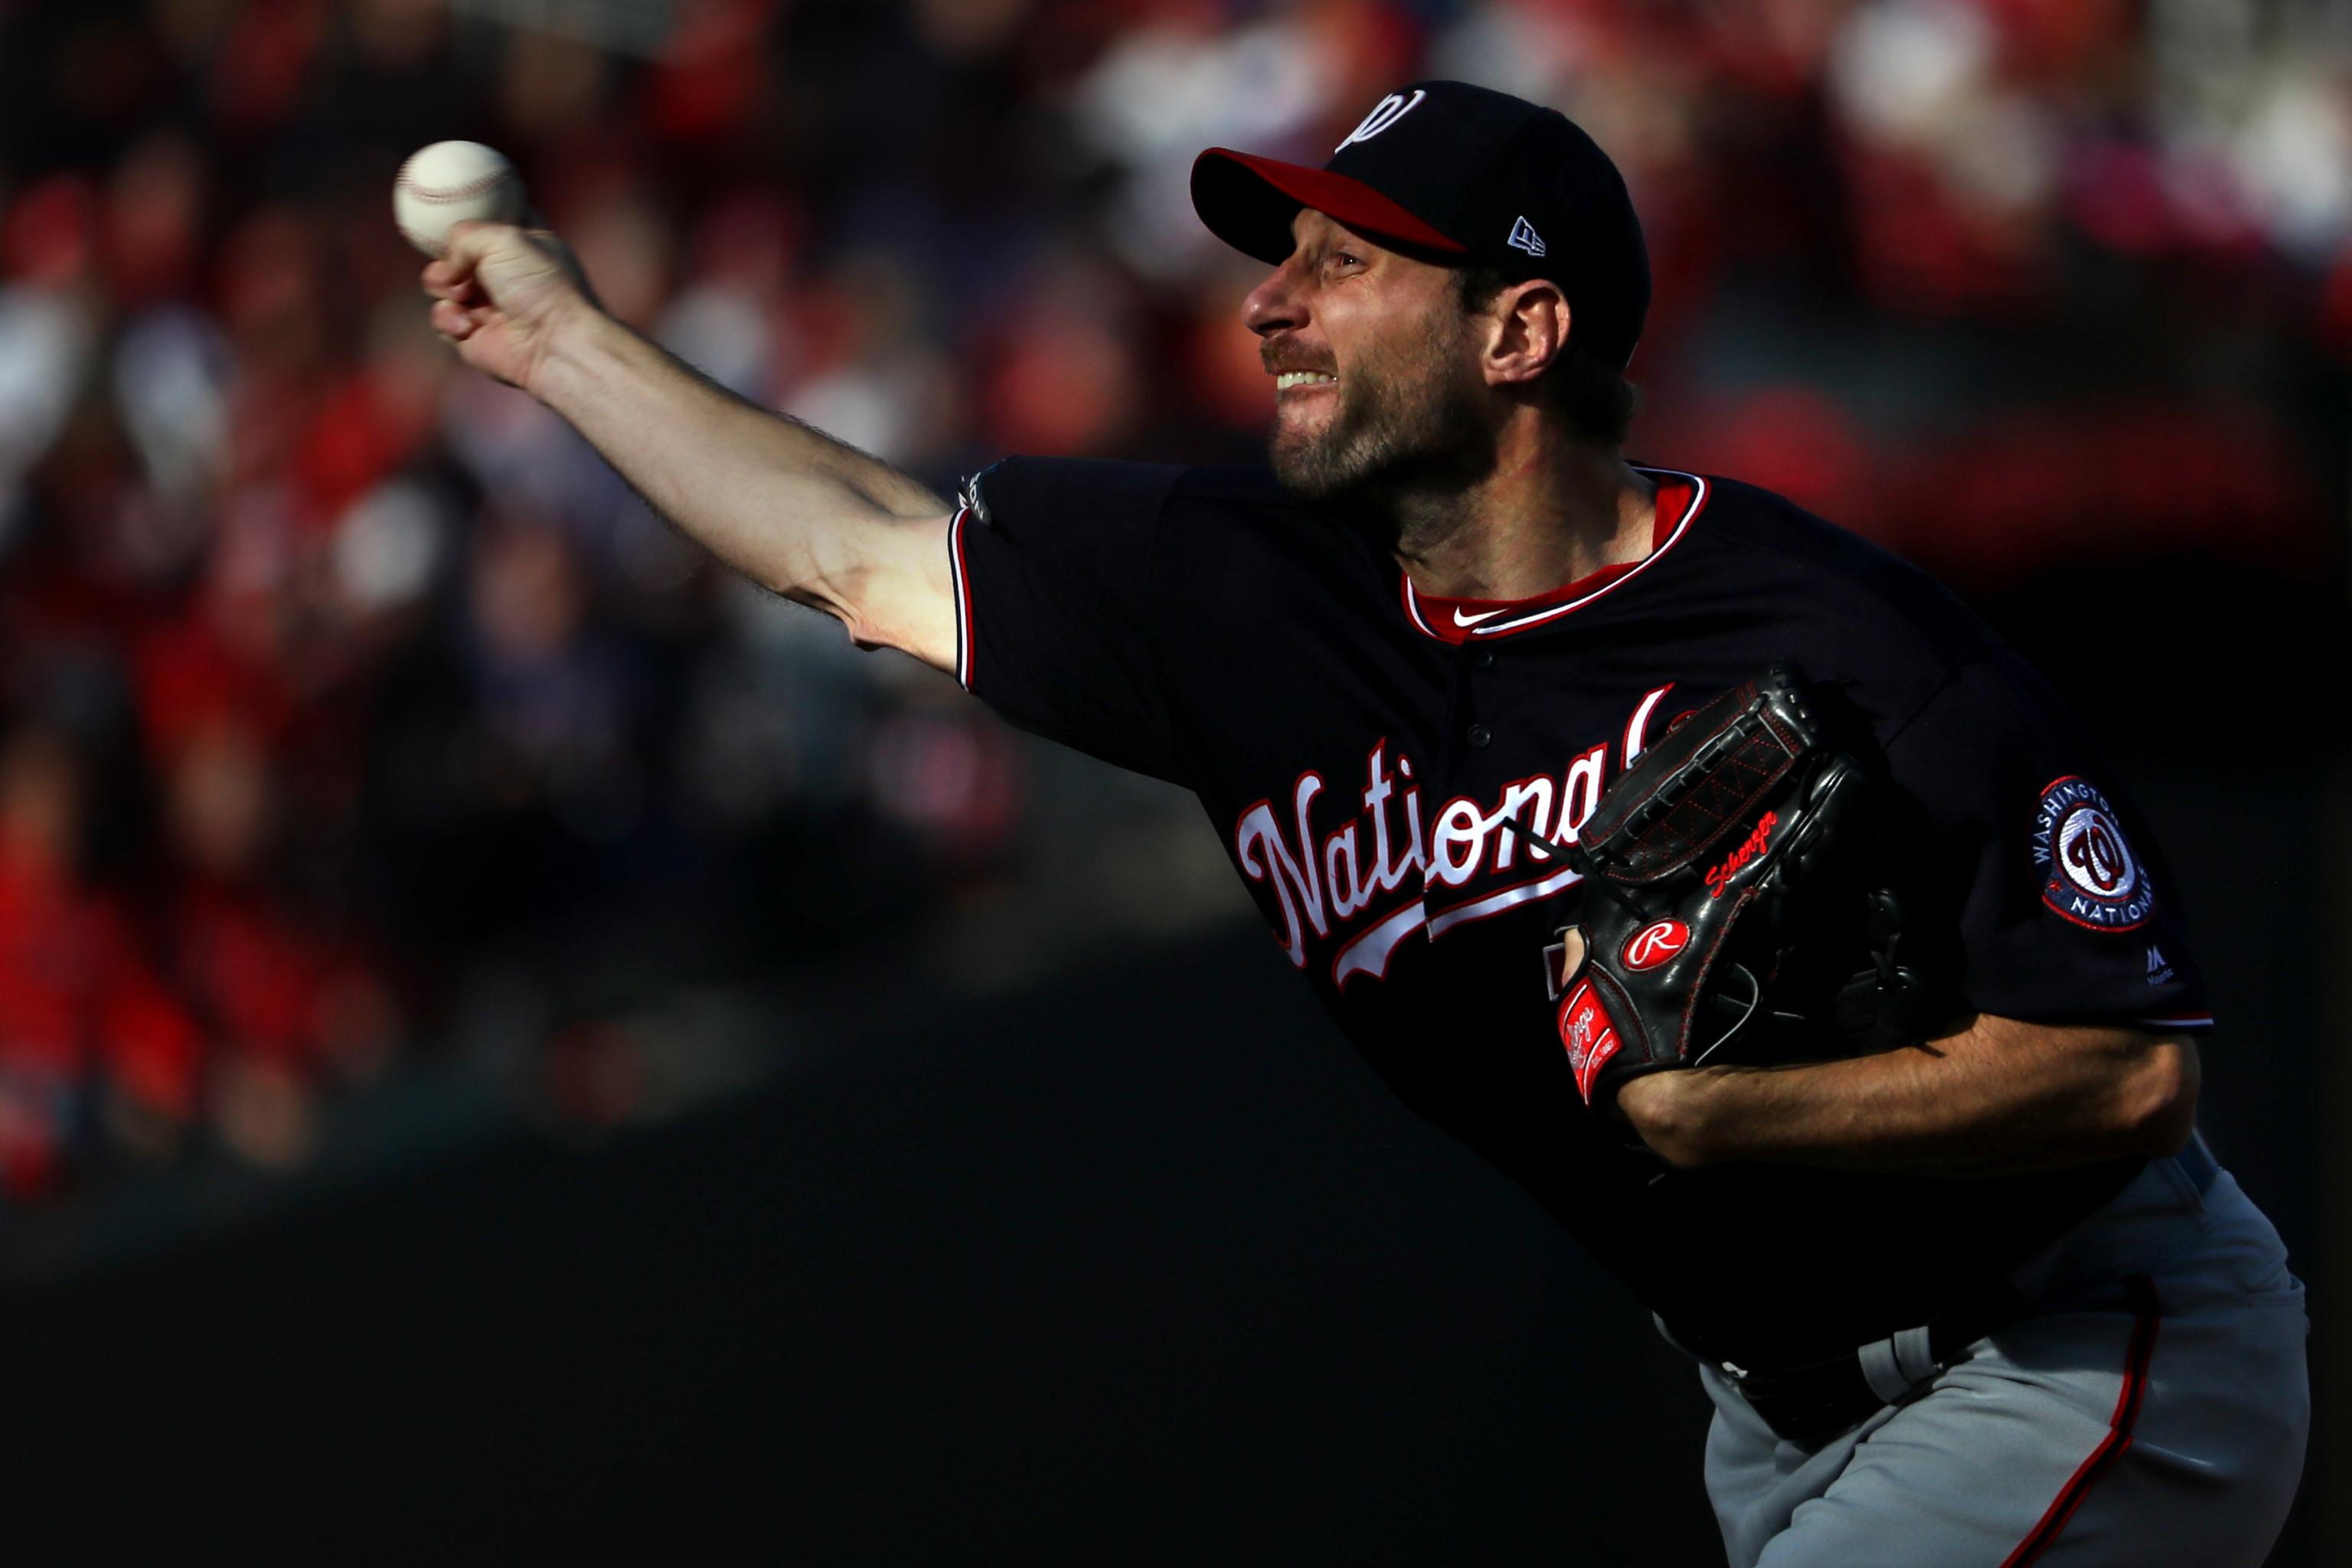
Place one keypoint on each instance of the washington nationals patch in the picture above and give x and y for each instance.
(2090, 875)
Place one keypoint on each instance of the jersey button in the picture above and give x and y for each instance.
(1480, 735)
(1485, 659)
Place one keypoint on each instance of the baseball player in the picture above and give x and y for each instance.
(1982, 1299)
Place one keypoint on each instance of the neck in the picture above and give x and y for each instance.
(1554, 508)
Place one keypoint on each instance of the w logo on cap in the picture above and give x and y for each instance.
(1525, 238)
(1385, 113)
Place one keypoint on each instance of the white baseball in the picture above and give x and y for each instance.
(452, 182)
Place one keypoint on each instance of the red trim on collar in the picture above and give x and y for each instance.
(1680, 499)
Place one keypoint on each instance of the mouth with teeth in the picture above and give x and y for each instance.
(1291, 378)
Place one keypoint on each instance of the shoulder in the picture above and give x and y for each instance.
(1013, 488)
(1777, 539)
(1223, 539)
(1237, 533)
(1195, 509)
(1861, 605)
(1241, 490)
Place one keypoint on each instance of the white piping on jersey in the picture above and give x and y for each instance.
(1412, 607)
(1552, 612)
(2180, 1021)
(963, 597)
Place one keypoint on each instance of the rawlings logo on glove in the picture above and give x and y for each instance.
(1727, 898)
(1655, 943)
(1590, 1038)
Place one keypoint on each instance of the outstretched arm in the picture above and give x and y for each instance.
(1999, 1098)
(786, 505)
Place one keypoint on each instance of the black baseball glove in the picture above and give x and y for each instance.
(1733, 906)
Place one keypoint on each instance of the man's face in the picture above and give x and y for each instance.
(1375, 364)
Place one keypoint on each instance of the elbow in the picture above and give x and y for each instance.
(887, 584)
(2159, 1108)
(827, 596)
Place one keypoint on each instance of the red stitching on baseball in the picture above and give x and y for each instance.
(450, 194)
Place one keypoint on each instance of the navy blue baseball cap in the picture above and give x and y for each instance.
(1459, 174)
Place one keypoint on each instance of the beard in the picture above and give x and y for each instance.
(1405, 431)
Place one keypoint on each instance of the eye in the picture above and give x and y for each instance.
(1343, 261)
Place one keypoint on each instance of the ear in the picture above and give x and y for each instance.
(1527, 327)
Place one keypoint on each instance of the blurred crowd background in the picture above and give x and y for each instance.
(357, 726)
(348, 696)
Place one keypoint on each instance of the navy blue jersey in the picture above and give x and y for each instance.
(1203, 627)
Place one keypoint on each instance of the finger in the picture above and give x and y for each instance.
(453, 320)
(468, 242)
(555, 245)
(569, 259)
(445, 282)
(1572, 953)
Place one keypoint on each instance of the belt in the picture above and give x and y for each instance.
(1812, 1402)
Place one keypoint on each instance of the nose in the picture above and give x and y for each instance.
(1276, 304)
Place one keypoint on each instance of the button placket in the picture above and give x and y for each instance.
(1479, 735)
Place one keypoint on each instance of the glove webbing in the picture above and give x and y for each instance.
(1706, 797)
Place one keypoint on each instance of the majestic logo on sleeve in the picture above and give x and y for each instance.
(2090, 874)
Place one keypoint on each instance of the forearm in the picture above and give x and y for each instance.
(781, 502)
(1999, 1098)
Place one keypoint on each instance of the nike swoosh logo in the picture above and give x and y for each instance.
(1462, 620)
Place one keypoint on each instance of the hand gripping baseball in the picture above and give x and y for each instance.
(502, 294)
(1724, 875)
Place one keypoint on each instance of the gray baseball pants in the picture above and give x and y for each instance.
(2149, 1410)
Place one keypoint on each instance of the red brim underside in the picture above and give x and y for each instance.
(1248, 202)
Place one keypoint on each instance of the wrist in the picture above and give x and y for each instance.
(580, 347)
(1665, 1108)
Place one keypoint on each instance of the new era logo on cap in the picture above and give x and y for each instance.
(1525, 238)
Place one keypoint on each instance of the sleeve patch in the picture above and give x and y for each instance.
(2089, 874)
